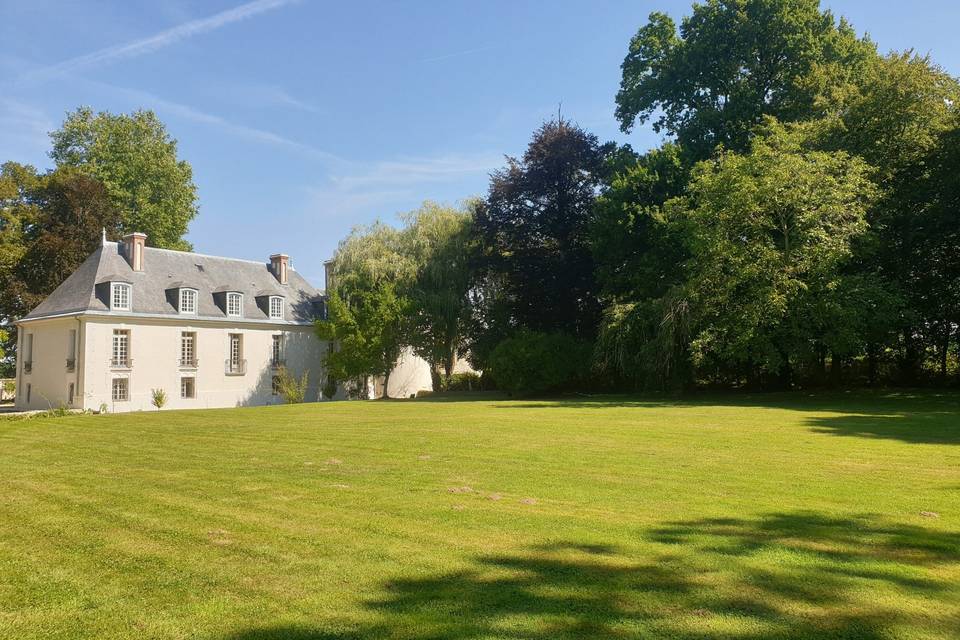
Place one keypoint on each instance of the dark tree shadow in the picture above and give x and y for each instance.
(783, 576)
(915, 417)
(932, 427)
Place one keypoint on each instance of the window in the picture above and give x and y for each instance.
(188, 349)
(29, 389)
(121, 348)
(120, 297)
(235, 305)
(236, 347)
(236, 365)
(70, 394)
(276, 353)
(275, 385)
(121, 389)
(188, 300)
(276, 308)
(187, 388)
(28, 353)
(72, 350)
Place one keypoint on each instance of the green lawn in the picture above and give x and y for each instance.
(738, 517)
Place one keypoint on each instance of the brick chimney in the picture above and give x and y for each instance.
(279, 265)
(328, 271)
(133, 244)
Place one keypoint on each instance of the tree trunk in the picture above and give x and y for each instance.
(435, 379)
(821, 365)
(386, 385)
(836, 369)
(448, 365)
(909, 363)
(872, 365)
(785, 374)
(753, 377)
(944, 349)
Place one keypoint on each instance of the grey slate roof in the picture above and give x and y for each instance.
(164, 270)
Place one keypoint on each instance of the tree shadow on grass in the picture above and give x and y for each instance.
(931, 427)
(786, 575)
(914, 417)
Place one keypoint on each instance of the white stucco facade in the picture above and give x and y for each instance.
(46, 379)
(208, 331)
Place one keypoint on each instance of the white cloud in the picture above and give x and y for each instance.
(157, 41)
(359, 191)
(150, 101)
(457, 54)
(24, 131)
(261, 96)
(414, 171)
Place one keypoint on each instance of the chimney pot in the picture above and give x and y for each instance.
(133, 244)
(280, 265)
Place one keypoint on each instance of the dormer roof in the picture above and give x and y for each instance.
(165, 269)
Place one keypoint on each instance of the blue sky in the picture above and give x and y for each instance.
(304, 118)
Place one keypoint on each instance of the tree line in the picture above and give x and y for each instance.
(113, 173)
(798, 226)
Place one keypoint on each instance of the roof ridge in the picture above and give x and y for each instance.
(202, 255)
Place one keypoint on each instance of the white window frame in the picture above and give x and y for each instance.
(126, 390)
(278, 300)
(187, 293)
(120, 347)
(233, 295)
(121, 296)
(276, 349)
(193, 387)
(235, 348)
(188, 348)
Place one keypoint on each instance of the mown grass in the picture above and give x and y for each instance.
(767, 517)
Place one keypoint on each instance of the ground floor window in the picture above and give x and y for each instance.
(275, 385)
(28, 393)
(121, 389)
(188, 387)
(70, 394)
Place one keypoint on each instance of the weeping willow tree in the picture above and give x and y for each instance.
(367, 305)
(439, 241)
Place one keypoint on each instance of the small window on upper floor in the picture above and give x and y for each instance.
(276, 308)
(120, 296)
(188, 300)
(234, 305)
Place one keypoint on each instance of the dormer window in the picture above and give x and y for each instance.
(188, 300)
(234, 304)
(276, 308)
(120, 296)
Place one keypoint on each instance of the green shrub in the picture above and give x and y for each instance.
(467, 381)
(531, 362)
(330, 388)
(293, 390)
(158, 398)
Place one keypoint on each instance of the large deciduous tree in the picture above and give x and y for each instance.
(48, 225)
(732, 63)
(639, 252)
(898, 115)
(536, 266)
(136, 160)
(769, 233)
